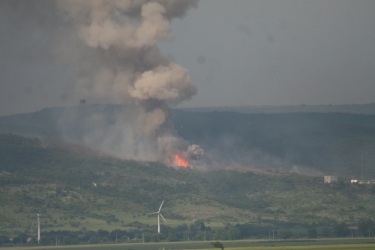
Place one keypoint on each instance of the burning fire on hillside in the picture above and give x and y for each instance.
(181, 161)
(187, 158)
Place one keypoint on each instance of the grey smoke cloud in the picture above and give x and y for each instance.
(128, 69)
(97, 51)
(123, 35)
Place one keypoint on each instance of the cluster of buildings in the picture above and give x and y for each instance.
(333, 178)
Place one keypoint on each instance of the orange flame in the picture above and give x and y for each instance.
(181, 162)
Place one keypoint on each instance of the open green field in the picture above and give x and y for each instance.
(321, 244)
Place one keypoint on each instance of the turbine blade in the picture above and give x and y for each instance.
(163, 218)
(161, 206)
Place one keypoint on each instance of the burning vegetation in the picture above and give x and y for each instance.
(190, 158)
(181, 161)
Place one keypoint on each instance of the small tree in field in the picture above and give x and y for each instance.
(218, 244)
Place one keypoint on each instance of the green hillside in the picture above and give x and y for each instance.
(304, 143)
(77, 189)
(329, 143)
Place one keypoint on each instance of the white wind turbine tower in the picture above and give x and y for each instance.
(38, 227)
(159, 215)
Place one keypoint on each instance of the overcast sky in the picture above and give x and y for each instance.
(279, 52)
(238, 52)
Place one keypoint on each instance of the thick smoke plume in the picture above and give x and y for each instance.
(124, 66)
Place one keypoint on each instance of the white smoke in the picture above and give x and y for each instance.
(127, 68)
(166, 83)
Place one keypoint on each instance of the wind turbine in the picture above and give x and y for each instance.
(159, 215)
(38, 227)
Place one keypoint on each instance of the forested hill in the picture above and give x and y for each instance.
(80, 189)
(331, 143)
(76, 189)
(306, 143)
(365, 109)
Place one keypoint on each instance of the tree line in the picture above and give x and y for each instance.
(196, 231)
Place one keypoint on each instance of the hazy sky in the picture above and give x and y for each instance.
(238, 52)
(264, 52)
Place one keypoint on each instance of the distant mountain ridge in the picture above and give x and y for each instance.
(274, 109)
(332, 143)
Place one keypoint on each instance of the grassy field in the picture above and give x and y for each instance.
(328, 247)
(321, 244)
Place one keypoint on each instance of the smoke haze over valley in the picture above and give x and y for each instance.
(227, 112)
(126, 54)
(111, 49)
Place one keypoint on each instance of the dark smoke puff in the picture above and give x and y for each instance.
(105, 31)
(178, 8)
